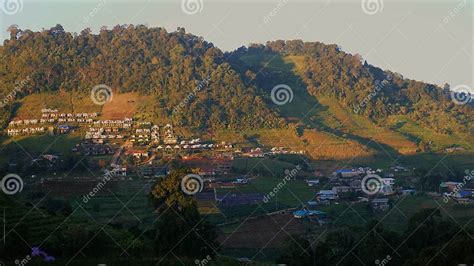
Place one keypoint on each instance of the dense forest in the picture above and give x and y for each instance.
(136, 58)
(360, 87)
(170, 66)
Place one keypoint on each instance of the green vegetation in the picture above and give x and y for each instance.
(168, 66)
(428, 234)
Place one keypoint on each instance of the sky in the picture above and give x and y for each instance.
(426, 40)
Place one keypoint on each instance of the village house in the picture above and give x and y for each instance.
(256, 153)
(327, 195)
(408, 191)
(169, 137)
(348, 172)
(137, 153)
(63, 129)
(13, 132)
(312, 182)
(380, 204)
(153, 171)
(341, 189)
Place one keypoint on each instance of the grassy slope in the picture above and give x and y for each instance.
(324, 129)
(323, 118)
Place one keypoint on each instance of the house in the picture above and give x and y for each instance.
(256, 153)
(387, 186)
(348, 172)
(388, 181)
(327, 195)
(153, 171)
(449, 186)
(241, 181)
(380, 204)
(307, 213)
(50, 157)
(399, 169)
(453, 149)
(464, 193)
(341, 189)
(13, 132)
(312, 182)
(207, 173)
(120, 171)
(408, 191)
(462, 200)
(170, 139)
(63, 129)
(137, 153)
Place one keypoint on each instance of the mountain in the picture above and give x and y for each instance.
(224, 91)
(327, 71)
(181, 71)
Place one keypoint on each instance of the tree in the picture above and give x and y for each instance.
(297, 251)
(180, 228)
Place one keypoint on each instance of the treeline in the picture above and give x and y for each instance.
(429, 239)
(362, 88)
(171, 65)
(132, 58)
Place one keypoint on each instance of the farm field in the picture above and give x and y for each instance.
(116, 202)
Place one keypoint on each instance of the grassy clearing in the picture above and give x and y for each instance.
(411, 129)
(71, 102)
(31, 146)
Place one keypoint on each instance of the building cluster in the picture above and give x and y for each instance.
(457, 191)
(260, 153)
(92, 148)
(50, 120)
(54, 113)
(102, 134)
(52, 116)
(347, 184)
(209, 167)
(193, 144)
(25, 131)
(145, 134)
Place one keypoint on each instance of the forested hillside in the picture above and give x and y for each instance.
(358, 86)
(169, 66)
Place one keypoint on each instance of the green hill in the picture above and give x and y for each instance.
(341, 106)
